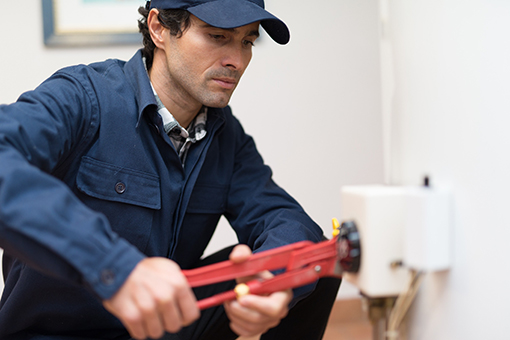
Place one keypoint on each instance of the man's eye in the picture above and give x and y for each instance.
(217, 36)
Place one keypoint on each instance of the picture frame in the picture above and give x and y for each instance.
(80, 23)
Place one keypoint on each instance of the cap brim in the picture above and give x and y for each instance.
(236, 13)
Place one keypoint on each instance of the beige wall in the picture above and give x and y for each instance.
(313, 106)
(450, 113)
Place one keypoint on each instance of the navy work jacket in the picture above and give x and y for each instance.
(90, 185)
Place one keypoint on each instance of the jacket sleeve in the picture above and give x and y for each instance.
(263, 215)
(41, 221)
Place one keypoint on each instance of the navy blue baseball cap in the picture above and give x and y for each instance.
(230, 14)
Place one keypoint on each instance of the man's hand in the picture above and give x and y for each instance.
(252, 314)
(155, 298)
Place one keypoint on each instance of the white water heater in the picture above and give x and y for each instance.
(400, 228)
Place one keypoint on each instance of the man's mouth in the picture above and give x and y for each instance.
(226, 83)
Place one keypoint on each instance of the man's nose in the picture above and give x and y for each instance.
(236, 58)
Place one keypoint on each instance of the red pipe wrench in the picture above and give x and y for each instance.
(304, 262)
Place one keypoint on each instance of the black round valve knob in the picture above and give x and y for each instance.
(349, 247)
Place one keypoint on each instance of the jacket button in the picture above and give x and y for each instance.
(107, 277)
(120, 188)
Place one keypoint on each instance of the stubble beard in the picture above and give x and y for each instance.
(218, 98)
(205, 91)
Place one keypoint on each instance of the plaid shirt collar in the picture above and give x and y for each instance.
(180, 137)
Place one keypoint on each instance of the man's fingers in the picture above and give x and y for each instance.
(274, 305)
(181, 311)
(243, 321)
(176, 304)
(172, 319)
(131, 319)
(240, 253)
(253, 314)
(152, 321)
(246, 330)
(188, 306)
(247, 322)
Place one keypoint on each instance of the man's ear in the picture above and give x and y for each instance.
(156, 29)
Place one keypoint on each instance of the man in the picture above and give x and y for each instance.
(114, 176)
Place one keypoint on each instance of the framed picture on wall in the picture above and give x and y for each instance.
(72, 23)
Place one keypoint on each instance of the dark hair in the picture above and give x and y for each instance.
(176, 20)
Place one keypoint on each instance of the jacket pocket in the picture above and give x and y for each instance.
(127, 197)
(105, 181)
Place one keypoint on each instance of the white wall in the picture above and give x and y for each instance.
(450, 109)
(313, 106)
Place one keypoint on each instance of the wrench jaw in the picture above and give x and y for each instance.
(348, 248)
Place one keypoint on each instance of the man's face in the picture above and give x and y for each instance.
(205, 64)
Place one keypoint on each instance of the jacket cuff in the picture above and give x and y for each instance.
(111, 273)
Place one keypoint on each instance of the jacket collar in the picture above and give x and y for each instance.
(139, 81)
